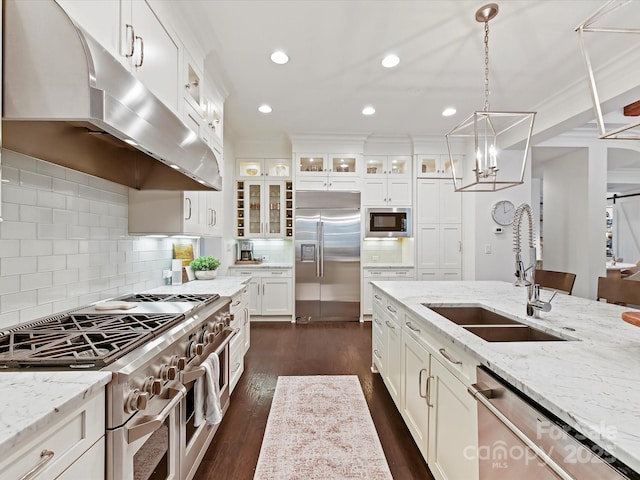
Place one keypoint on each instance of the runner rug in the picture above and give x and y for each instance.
(319, 427)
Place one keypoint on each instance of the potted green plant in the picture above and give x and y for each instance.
(205, 267)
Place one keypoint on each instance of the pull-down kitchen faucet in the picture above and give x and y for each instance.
(525, 276)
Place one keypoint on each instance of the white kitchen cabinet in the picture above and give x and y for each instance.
(68, 439)
(270, 290)
(387, 180)
(334, 172)
(435, 165)
(437, 202)
(439, 274)
(452, 426)
(264, 209)
(439, 246)
(132, 32)
(254, 168)
(415, 376)
(239, 345)
(369, 274)
(387, 349)
(196, 213)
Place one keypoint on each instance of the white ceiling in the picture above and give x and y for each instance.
(335, 48)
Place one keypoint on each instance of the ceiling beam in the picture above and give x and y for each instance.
(632, 110)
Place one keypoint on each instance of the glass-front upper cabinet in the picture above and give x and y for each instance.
(344, 165)
(264, 209)
(383, 165)
(251, 168)
(435, 166)
(311, 164)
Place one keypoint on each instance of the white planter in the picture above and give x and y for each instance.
(205, 274)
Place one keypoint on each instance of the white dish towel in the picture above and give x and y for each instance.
(207, 393)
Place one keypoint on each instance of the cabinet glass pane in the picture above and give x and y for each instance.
(312, 164)
(250, 168)
(428, 164)
(278, 168)
(343, 164)
(446, 164)
(398, 165)
(375, 166)
(255, 198)
(275, 215)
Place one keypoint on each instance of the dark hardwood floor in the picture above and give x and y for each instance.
(321, 348)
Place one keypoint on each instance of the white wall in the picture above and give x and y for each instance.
(64, 241)
(574, 191)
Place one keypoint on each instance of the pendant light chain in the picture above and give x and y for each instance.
(486, 65)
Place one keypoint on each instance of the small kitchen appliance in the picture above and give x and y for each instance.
(245, 250)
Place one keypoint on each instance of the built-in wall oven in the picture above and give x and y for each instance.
(518, 439)
(388, 222)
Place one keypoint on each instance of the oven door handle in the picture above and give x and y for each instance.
(482, 394)
(197, 372)
(136, 432)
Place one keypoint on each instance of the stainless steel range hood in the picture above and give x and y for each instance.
(70, 102)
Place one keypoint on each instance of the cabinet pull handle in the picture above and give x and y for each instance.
(377, 296)
(189, 216)
(138, 65)
(377, 354)
(448, 356)
(236, 303)
(390, 325)
(263, 285)
(132, 42)
(215, 217)
(410, 325)
(277, 273)
(378, 322)
(420, 384)
(45, 457)
(236, 367)
(459, 246)
(429, 404)
(391, 309)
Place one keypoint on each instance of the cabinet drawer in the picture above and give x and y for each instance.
(454, 358)
(378, 353)
(393, 311)
(239, 301)
(283, 273)
(275, 273)
(68, 439)
(401, 274)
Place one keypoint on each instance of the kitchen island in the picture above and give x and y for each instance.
(591, 381)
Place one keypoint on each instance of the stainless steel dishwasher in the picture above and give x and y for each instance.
(518, 439)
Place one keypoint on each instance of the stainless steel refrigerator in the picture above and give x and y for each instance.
(327, 243)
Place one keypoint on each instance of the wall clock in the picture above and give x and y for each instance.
(503, 212)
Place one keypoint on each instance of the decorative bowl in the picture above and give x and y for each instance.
(252, 171)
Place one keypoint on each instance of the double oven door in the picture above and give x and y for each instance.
(162, 442)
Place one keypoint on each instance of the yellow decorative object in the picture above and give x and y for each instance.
(183, 252)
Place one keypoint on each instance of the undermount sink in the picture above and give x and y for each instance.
(472, 316)
(492, 326)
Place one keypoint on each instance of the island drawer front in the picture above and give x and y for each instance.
(68, 438)
(239, 300)
(378, 353)
(453, 357)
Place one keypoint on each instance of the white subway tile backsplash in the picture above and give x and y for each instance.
(65, 187)
(17, 265)
(19, 195)
(35, 247)
(65, 247)
(33, 214)
(17, 230)
(64, 242)
(51, 263)
(51, 231)
(35, 180)
(51, 199)
(18, 301)
(9, 248)
(9, 284)
(35, 281)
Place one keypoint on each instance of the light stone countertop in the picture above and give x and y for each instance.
(387, 266)
(222, 285)
(592, 384)
(31, 401)
(262, 265)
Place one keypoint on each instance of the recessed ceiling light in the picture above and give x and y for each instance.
(368, 111)
(174, 166)
(447, 112)
(264, 108)
(279, 57)
(390, 61)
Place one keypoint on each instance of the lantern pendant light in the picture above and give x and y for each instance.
(500, 139)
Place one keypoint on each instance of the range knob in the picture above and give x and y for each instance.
(227, 318)
(168, 372)
(136, 400)
(195, 349)
(178, 362)
(209, 337)
(152, 385)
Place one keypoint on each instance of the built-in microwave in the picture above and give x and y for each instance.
(388, 222)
